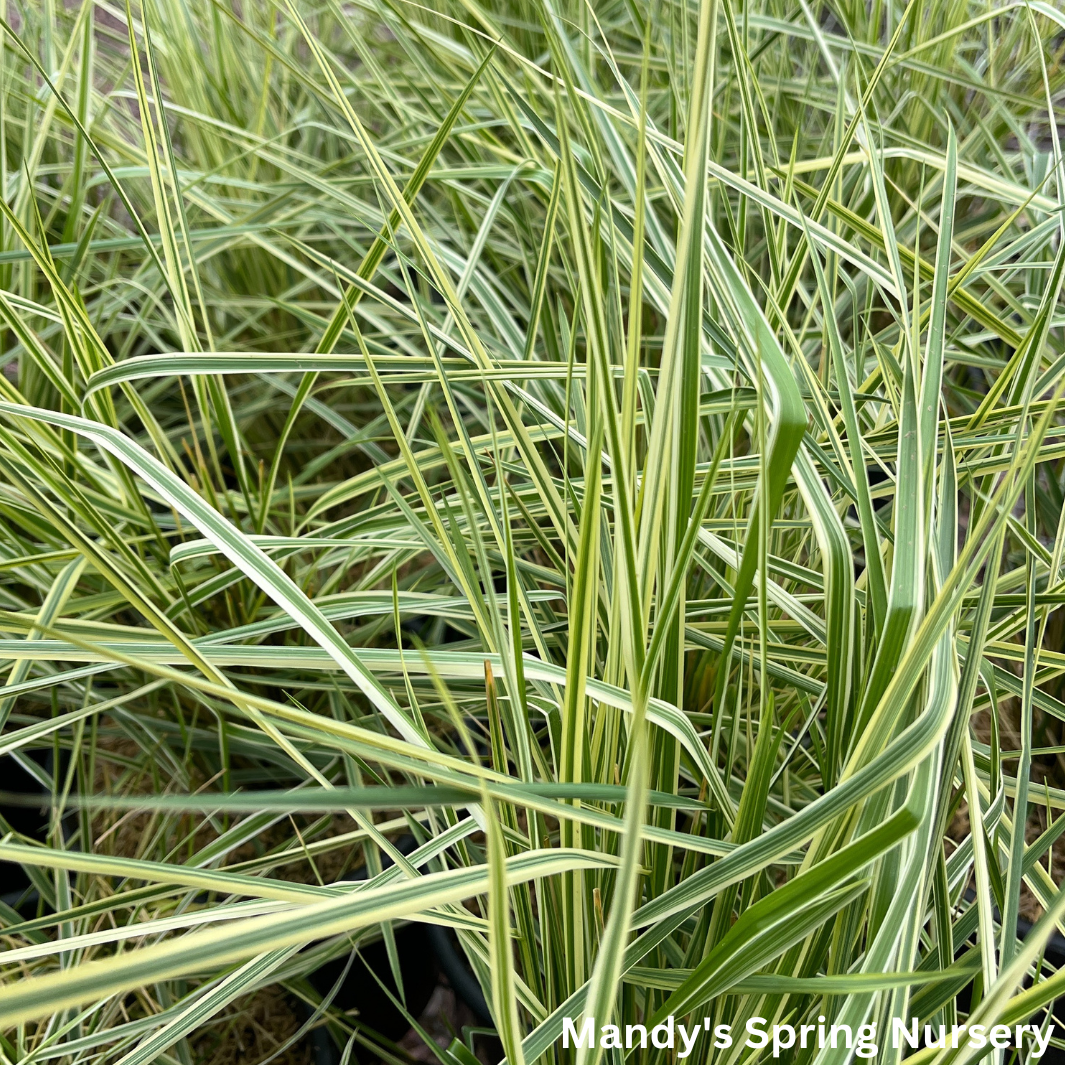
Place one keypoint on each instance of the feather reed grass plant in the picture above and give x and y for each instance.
(619, 446)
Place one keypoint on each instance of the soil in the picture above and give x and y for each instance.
(251, 1031)
(1048, 770)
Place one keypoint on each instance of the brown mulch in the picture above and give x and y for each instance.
(1049, 769)
(253, 1028)
(250, 1030)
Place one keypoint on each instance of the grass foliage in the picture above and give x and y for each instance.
(619, 445)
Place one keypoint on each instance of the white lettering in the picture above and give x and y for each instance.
(783, 1037)
(865, 1045)
(1000, 1036)
(569, 1031)
(1041, 1044)
(629, 1029)
(667, 1027)
(754, 1032)
(688, 1039)
(899, 1031)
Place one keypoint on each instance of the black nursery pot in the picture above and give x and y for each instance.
(1054, 953)
(361, 990)
(26, 819)
(424, 952)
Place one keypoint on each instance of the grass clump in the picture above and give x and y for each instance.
(618, 446)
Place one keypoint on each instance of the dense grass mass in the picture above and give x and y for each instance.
(620, 446)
